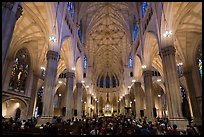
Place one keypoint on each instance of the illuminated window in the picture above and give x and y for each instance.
(199, 59)
(101, 82)
(130, 63)
(144, 8)
(20, 70)
(70, 6)
(85, 62)
(107, 81)
(200, 66)
(135, 31)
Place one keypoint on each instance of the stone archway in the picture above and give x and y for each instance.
(11, 106)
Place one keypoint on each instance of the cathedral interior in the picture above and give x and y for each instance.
(85, 59)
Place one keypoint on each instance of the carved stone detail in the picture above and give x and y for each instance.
(8, 5)
(19, 12)
(167, 51)
(52, 55)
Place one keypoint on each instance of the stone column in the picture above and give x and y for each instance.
(11, 11)
(69, 94)
(173, 93)
(79, 98)
(138, 99)
(148, 94)
(127, 104)
(195, 107)
(33, 96)
(121, 105)
(88, 104)
(6, 74)
(49, 88)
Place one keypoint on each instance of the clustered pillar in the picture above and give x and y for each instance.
(79, 100)
(11, 12)
(148, 94)
(49, 90)
(137, 99)
(172, 85)
(192, 94)
(69, 94)
(88, 105)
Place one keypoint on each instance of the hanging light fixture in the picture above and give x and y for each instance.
(52, 37)
(167, 32)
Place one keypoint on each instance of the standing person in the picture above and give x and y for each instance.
(94, 131)
(174, 131)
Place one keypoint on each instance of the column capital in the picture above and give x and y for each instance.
(79, 85)
(52, 55)
(147, 73)
(137, 84)
(167, 51)
(70, 75)
(8, 5)
(19, 12)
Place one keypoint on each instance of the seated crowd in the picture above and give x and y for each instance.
(115, 125)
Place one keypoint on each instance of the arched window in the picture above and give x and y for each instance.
(200, 66)
(20, 70)
(144, 8)
(130, 63)
(114, 82)
(199, 60)
(135, 31)
(70, 6)
(101, 82)
(85, 62)
(107, 81)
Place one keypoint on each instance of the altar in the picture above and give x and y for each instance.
(107, 112)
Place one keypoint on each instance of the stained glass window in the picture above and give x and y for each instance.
(70, 6)
(85, 62)
(135, 31)
(144, 8)
(107, 81)
(130, 63)
(200, 66)
(101, 82)
(20, 70)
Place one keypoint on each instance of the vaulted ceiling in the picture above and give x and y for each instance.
(108, 36)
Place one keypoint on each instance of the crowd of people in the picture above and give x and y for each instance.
(115, 125)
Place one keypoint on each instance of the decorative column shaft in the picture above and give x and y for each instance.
(89, 105)
(49, 88)
(33, 96)
(11, 11)
(138, 99)
(79, 98)
(173, 93)
(195, 106)
(6, 74)
(148, 94)
(69, 94)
